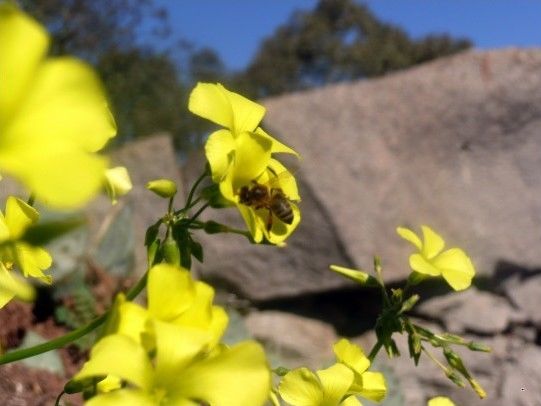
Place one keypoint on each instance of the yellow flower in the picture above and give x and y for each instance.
(179, 371)
(453, 264)
(328, 387)
(168, 354)
(117, 182)
(369, 385)
(175, 298)
(13, 253)
(338, 385)
(53, 116)
(241, 153)
(440, 401)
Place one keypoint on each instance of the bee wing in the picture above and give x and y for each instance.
(285, 181)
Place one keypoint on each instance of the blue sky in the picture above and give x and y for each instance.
(234, 28)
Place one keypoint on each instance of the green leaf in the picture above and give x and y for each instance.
(197, 251)
(152, 233)
(41, 234)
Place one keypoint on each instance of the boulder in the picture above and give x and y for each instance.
(454, 144)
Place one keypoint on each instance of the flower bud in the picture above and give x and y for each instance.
(163, 187)
(117, 182)
(212, 227)
(171, 252)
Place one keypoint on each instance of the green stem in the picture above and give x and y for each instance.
(198, 213)
(375, 350)
(71, 336)
(194, 187)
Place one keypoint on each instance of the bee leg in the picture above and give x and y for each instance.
(269, 221)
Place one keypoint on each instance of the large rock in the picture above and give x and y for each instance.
(454, 144)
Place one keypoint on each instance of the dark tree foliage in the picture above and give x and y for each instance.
(146, 91)
(90, 28)
(338, 40)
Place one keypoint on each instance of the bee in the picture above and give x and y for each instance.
(260, 196)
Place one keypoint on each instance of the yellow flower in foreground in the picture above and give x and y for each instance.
(179, 371)
(175, 298)
(30, 260)
(440, 401)
(337, 385)
(117, 182)
(53, 116)
(168, 354)
(241, 154)
(453, 264)
(328, 387)
(369, 385)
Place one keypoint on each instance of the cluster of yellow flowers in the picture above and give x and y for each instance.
(170, 353)
(339, 384)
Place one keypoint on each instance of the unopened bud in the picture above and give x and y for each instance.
(455, 378)
(163, 187)
(479, 347)
(212, 227)
(478, 389)
(171, 252)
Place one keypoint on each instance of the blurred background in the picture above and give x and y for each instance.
(405, 112)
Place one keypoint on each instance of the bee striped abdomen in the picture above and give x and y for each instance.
(282, 209)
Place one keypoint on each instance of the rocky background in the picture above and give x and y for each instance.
(454, 144)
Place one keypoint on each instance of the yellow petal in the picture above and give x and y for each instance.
(280, 231)
(335, 381)
(219, 150)
(33, 261)
(373, 386)
(351, 401)
(66, 102)
(19, 216)
(109, 384)
(117, 182)
(132, 320)
(254, 223)
(251, 158)
(410, 236)
(420, 264)
(301, 387)
(122, 397)
(208, 100)
(440, 401)
(176, 347)
(246, 113)
(351, 355)
(168, 278)
(23, 44)
(120, 356)
(279, 176)
(277, 146)
(237, 376)
(432, 242)
(60, 175)
(11, 286)
(221, 106)
(456, 268)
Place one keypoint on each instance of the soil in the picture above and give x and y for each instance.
(21, 385)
